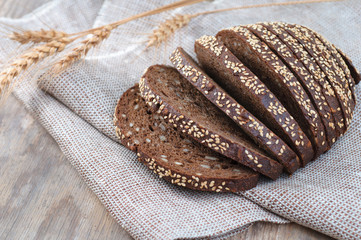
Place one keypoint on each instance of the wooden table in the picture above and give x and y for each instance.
(43, 197)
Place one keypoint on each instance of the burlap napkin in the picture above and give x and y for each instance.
(325, 196)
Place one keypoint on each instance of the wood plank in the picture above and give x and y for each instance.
(41, 195)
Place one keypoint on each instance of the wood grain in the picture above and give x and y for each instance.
(43, 197)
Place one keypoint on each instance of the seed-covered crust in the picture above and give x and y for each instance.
(312, 88)
(253, 127)
(258, 96)
(319, 76)
(208, 137)
(354, 72)
(290, 84)
(341, 64)
(178, 160)
(328, 65)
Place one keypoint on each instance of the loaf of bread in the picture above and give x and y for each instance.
(264, 98)
(318, 75)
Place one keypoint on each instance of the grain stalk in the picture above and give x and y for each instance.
(167, 28)
(28, 59)
(78, 52)
(56, 41)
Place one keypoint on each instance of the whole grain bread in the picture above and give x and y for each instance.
(257, 56)
(254, 128)
(342, 67)
(173, 157)
(183, 106)
(246, 88)
(311, 87)
(354, 72)
(326, 63)
(319, 76)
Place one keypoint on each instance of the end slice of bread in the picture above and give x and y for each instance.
(172, 156)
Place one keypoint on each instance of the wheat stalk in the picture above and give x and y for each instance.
(32, 57)
(78, 52)
(56, 41)
(166, 29)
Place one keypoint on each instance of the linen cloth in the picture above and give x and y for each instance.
(78, 108)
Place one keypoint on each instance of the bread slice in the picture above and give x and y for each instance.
(182, 105)
(254, 128)
(311, 87)
(326, 63)
(342, 67)
(246, 88)
(354, 72)
(319, 76)
(262, 61)
(172, 156)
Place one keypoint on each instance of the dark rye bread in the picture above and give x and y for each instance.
(252, 93)
(261, 60)
(327, 64)
(254, 128)
(354, 72)
(312, 87)
(183, 106)
(173, 157)
(341, 63)
(319, 76)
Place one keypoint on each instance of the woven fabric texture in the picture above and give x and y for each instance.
(78, 108)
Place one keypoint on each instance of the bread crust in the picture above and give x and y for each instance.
(354, 72)
(341, 63)
(202, 134)
(163, 169)
(253, 127)
(312, 87)
(327, 64)
(288, 85)
(316, 72)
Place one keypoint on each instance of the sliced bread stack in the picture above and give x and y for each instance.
(264, 98)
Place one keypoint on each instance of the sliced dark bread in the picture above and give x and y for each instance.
(319, 76)
(182, 105)
(327, 64)
(171, 156)
(254, 128)
(262, 61)
(312, 87)
(246, 88)
(354, 72)
(342, 66)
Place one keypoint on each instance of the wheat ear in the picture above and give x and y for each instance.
(78, 52)
(37, 36)
(26, 60)
(166, 29)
